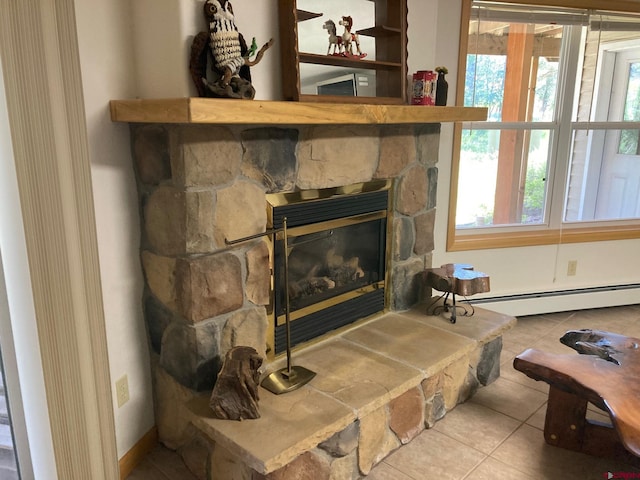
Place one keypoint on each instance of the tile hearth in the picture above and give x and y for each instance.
(377, 387)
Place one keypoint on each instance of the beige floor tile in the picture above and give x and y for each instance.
(537, 419)
(170, 463)
(551, 343)
(477, 426)
(145, 470)
(529, 330)
(527, 452)
(433, 455)
(620, 320)
(517, 342)
(506, 356)
(509, 373)
(630, 329)
(492, 469)
(384, 471)
(556, 317)
(510, 398)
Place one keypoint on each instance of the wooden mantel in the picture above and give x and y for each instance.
(223, 111)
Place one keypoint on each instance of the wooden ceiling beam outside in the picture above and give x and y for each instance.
(487, 44)
(511, 157)
(610, 5)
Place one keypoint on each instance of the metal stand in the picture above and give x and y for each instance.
(291, 377)
(435, 309)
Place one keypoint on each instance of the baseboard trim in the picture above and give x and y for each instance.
(134, 456)
(559, 293)
(562, 300)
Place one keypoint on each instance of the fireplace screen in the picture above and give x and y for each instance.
(336, 260)
(333, 262)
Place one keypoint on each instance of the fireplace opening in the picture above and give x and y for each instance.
(337, 254)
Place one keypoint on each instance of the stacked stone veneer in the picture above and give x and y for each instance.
(201, 184)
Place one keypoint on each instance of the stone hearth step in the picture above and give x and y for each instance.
(377, 386)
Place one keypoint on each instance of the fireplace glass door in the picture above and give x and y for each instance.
(336, 256)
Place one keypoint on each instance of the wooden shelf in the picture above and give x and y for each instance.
(379, 31)
(339, 61)
(390, 67)
(305, 15)
(262, 112)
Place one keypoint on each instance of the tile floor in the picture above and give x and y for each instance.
(495, 435)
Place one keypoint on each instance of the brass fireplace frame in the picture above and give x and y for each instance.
(289, 198)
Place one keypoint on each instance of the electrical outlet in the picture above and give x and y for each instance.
(122, 390)
(572, 267)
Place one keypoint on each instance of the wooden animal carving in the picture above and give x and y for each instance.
(235, 394)
(334, 40)
(349, 37)
(229, 54)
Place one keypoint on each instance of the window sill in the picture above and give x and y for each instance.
(573, 234)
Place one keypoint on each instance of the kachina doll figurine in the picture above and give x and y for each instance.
(229, 54)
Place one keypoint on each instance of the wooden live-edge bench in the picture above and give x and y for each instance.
(607, 374)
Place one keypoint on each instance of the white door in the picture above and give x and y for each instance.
(619, 187)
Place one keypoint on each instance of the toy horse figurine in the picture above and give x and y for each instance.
(349, 38)
(334, 39)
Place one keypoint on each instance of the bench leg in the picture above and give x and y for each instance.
(566, 426)
(565, 421)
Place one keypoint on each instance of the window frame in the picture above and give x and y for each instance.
(554, 230)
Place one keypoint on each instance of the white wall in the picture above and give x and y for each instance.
(164, 30)
(107, 63)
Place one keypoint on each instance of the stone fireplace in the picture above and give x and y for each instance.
(355, 196)
(201, 186)
(212, 171)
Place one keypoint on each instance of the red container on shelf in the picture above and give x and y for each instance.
(424, 88)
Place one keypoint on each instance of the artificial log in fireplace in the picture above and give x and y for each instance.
(337, 254)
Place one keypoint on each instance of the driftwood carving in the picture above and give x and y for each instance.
(608, 346)
(235, 394)
(606, 375)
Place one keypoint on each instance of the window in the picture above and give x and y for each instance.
(561, 147)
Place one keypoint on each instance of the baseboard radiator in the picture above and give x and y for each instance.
(561, 300)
